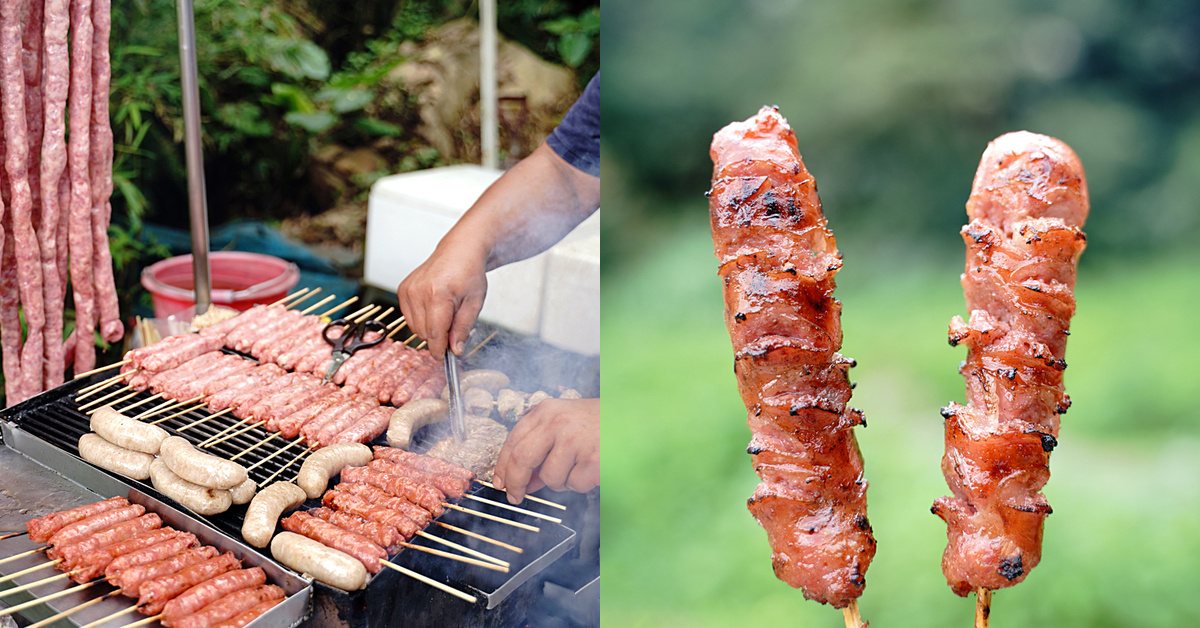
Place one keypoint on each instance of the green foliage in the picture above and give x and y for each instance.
(576, 35)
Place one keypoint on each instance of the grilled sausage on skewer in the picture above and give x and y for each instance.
(333, 567)
(778, 261)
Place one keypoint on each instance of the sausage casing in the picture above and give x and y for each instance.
(200, 499)
(327, 462)
(265, 509)
(199, 467)
(333, 567)
(411, 417)
(126, 432)
(103, 454)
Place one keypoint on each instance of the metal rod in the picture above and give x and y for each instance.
(197, 198)
(489, 108)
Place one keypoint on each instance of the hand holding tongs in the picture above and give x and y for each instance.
(352, 339)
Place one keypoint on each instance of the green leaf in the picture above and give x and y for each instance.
(352, 100)
(315, 122)
(294, 99)
(245, 117)
(373, 126)
(561, 26)
(297, 59)
(574, 48)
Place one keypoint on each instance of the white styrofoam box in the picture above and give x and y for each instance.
(409, 213)
(571, 305)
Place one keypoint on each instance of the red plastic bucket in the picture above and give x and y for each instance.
(239, 280)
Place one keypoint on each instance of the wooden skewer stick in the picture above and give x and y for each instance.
(393, 324)
(235, 434)
(13, 534)
(368, 314)
(146, 400)
(345, 304)
(431, 582)
(983, 607)
(104, 620)
(513, 508)
(355, 314)
(205, 442)
(309, 309)
(102, 368)
(529, 497)
(303, 299)
(23, 555)
(53, 596)
(480, 345)
(88, 391)
(853, 619)
(289, 297)
(485, 539)
(384, 314)
(461, 559)
(73, 610)
(31, 569)
(39, 583)
(260, 462)
(515, 524)
(115, 402)
(422, 345)
(397, 330)
(170, 404)
(463, 548)
(207, 418)
(99, 400)
(197, 422)
(294, 461)
(256, 446)
(142, 622)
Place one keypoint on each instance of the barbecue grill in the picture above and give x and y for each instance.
(47, 427)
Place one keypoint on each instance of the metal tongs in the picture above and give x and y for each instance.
(458, 423)
(352, 339)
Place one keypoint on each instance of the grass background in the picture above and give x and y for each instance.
(680, 549)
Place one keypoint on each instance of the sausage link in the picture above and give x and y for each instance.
(333, 567)
(265, 509)
(119, 532)
(199, 467)
(126, 462)
(130, 579)
(91, 524)
(176, 545)
(230, 606)
(155, 595)
(200, 499)
(97, 561)
(248, 616)
(327, 462)
(360, 547)
(42, 528)
(127, 432)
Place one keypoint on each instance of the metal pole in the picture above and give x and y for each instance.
(489, 112)
(197, 200)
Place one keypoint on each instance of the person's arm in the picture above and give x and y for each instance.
(556, 445)
(527, 210)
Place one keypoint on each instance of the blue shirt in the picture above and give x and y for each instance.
(577, 138)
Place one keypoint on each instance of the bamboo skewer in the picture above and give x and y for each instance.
(88, 391)
(513, 508)
(115, 615)
(294, 461)
(463, 548)
(515, 524)
(422, 345)
(397, 330)
(73, 610)
(480, 345)
(197, 422)
(53, 596)
(101, 369)
(303, 299)
(260, 462)
(114, 402)
(13, 534)
(385, 314)
(485, 539)
(429, 581)
(100, 400)
(368, 314)
(983, 607)
(289, 297)
(170, 404)
(345, 304)
(529, 497)
(142, 622)
(13, 576)
(853, 619)
(393, 324)
(146, 400)
(38, 583)
(23, 555)
(211, 442)
(355, 314)
(461, 559)
(256, 446)
(207, 418)
(308, 310)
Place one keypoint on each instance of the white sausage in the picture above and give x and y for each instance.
(509, 405)
(478, 402)
(199, 467)
(487, 379)
(536, 398)
(243, 493)
(124, 431)
(333, 567)
(411, 417)
(265, 509)
(103, 454)
(199, 499)
(327, 462)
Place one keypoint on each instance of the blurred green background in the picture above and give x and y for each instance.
(893, 103)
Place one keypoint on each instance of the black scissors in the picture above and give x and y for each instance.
(352, 339)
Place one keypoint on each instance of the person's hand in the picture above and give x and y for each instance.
(557, 445)
(442, 298)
